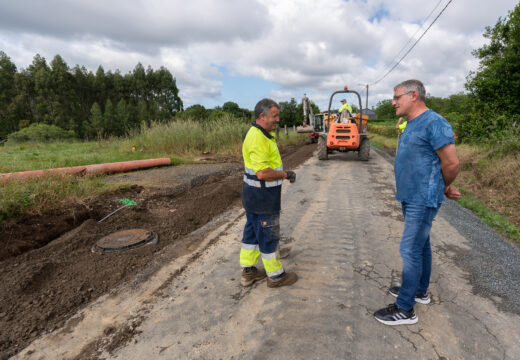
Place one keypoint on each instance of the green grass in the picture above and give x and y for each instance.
(488, 216)
(382, 142)
(181, 141)
(383, 134)
(292, 138)
(36, 195)
(33, 156)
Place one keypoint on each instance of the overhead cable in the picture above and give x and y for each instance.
(425, 31)
(413, 36)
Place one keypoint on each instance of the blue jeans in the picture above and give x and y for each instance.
(416, 253)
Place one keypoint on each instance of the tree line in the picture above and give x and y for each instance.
(77, 100)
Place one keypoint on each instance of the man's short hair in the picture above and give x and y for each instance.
(263, 106)
(343, 100)
(413, 85)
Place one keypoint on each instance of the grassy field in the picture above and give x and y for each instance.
(489, 179)
(181, 141)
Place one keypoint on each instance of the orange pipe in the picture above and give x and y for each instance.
(89, 169)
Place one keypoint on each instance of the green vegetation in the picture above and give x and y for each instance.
(291, 113)
(386, 128)
(489, 216)
(87, 104)
(382, 142)
(181, 140)
(40, 133)
(495, 86)
(200, 113)
(36, 195)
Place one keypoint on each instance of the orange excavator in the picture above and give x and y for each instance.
(346, 132)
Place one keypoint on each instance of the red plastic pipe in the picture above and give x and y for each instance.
(89, 169)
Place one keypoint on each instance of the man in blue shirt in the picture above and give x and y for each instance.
(425, 166)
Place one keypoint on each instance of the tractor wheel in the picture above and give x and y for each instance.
(364, 150)
(322, 149)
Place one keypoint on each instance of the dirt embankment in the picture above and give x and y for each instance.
(47, 268)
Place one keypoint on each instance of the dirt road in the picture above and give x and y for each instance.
(342, 225)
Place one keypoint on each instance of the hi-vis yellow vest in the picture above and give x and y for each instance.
(260, 152)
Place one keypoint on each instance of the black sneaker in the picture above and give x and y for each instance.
(419, 298)
(393, 315)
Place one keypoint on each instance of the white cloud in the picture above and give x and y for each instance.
(313, 47)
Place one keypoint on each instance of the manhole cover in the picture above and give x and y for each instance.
(125, 240)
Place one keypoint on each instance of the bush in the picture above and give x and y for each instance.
(40, 133)
(487, 126)
(387, 129)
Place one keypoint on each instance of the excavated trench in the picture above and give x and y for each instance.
(48, 269)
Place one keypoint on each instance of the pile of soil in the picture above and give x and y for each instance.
(48, 271)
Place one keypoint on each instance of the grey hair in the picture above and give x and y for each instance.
(263, 106)
(413, 85)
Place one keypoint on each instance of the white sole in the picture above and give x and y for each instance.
(417, 300)
(400, 322)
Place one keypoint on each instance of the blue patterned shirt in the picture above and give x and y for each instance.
(417, 166)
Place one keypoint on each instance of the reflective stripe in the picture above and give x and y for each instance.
(253, 183)
(269, 256)
(274, 273)
(258, 183)
(272, 264)
(273, 183)
(250, 246)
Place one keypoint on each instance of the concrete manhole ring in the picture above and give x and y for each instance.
(125, 240)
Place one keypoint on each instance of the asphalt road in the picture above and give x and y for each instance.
(342, 226)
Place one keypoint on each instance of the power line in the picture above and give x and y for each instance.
(413, 36)
(425, 31)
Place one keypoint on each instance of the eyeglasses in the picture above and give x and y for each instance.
(398, 96)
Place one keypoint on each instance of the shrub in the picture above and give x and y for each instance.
(387, 129)
(40, 133)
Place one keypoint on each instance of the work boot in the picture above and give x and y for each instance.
(284, 252)
(285, 280)
(252, 274)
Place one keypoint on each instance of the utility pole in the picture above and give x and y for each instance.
(366, 107)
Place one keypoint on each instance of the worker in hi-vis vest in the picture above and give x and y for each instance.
(345, 106)
(261, 195)
(344, 118)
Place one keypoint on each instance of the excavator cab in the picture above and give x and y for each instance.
(344, 133)
(318, 123)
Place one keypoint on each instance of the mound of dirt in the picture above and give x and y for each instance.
(47, 268)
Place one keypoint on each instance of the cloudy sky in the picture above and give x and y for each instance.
(244, 50)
